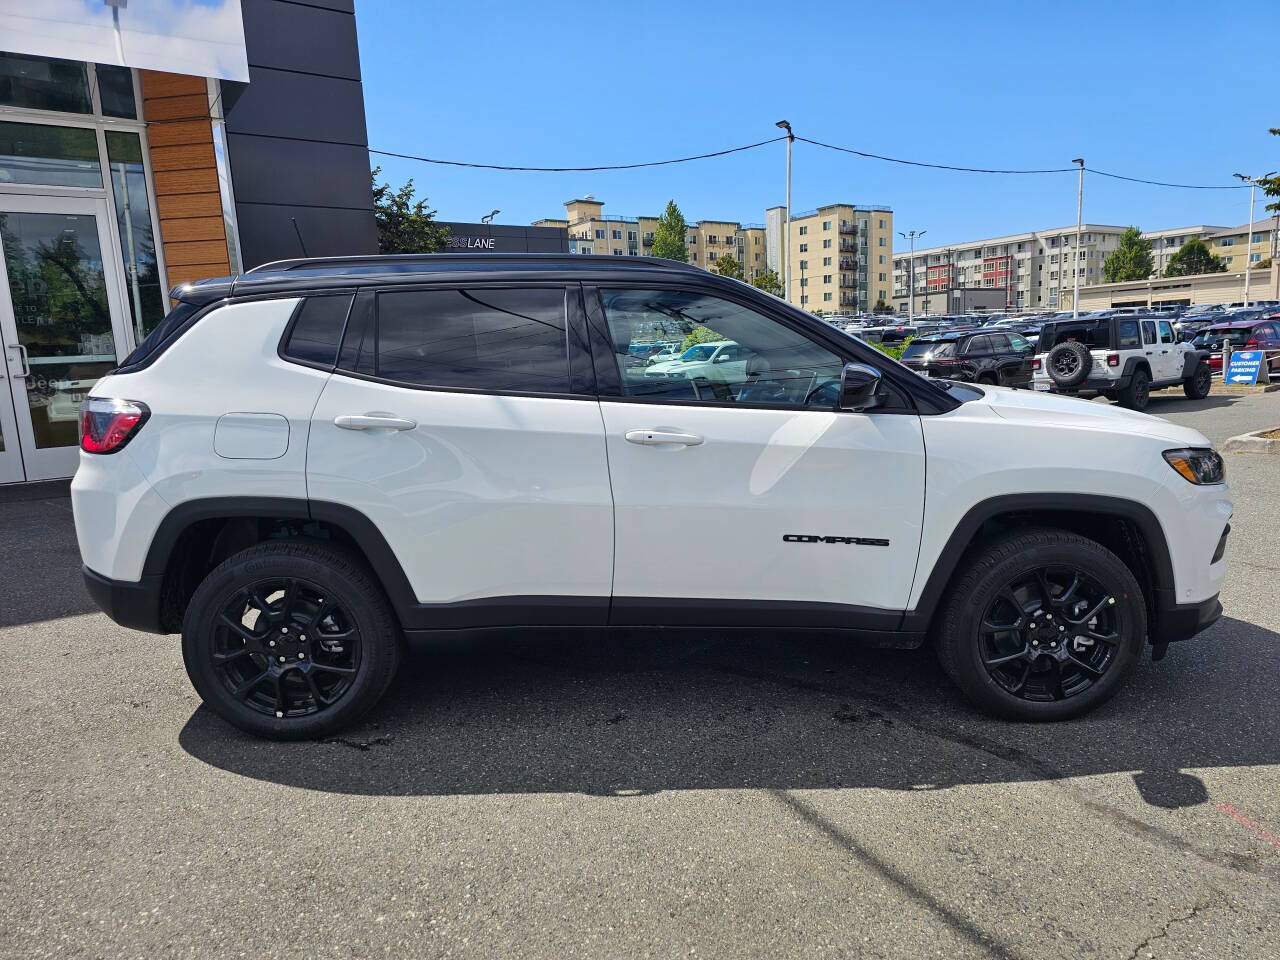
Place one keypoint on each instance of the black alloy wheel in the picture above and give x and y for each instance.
(285, 649)
(1050, 634)
(291, 639)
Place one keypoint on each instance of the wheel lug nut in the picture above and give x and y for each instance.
(282, 659)
(271, 643)
(1035, 643)
(302, 636)
(279, 713)
(302, 656)
(1048, 616)
(284, 629)
(1061, 628)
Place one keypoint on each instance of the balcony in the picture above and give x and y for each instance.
(848, 263)
(847, 246)
(846, 226)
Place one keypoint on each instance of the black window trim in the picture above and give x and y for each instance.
(607, 366)
(573, 331)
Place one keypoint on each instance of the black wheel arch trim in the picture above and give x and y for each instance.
(1133, 364)
(1191, 362)
(965, 532)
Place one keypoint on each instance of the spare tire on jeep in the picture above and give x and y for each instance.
(1069, 363)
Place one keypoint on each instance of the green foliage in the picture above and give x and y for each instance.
(1194, 257)
(405, 225)
(1131, 259)
(881, 307)
(668, 238)
(727, 265)
(769, 283)
(895, 350)
(700, 335)
(1271, 185)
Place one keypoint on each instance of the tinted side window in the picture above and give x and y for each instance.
(1000, 343)
(728, 352)
(1127, 335)
(1166, 332)
(978, 345)
(1148, 331)
(510, 340)
(317, 330)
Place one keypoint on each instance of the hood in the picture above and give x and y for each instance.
(1030, 406)
(662, 366)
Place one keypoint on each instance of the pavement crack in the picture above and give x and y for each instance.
(1164, 930)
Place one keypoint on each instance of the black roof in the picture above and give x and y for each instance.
(313, 273)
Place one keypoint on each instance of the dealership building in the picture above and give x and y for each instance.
(146, 143)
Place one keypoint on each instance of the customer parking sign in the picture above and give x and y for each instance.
(1244, 367)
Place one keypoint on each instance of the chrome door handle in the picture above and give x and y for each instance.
(22, 355)
(655, 438)
(373, 422)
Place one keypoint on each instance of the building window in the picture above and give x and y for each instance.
(804, 248)
(826, 278)
(631, 236)
(881, 242)
(804, 281)
(881, 224)
(826, 224)
(616, 234)
(804, 229)
(599, 234)
(617, 251)
(826, 298)
(882, 277)
(826, 261)
(804, 264)
(1228, 241)
(803, 300)
(693, 257)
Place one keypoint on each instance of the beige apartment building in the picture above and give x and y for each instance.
(1165, 243)
(841, 256)
(1232, 244)
(1033, 268)
(593, 231)
(1264, 284)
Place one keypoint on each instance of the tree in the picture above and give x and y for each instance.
(1131, 260)
(700, 334)
(881, 307)
(668, 238)
(727, 265)
(405, 225)
(1271, 185)
(768, 282)
(1192, 258)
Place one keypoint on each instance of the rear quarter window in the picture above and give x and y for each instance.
(316, 330)
(1128, 335)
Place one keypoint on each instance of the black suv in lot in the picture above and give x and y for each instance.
(995, 357)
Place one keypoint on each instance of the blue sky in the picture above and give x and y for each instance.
(1171, 91)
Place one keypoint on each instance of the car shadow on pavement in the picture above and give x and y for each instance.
(1184, 405)
(39, 563)
(640, 714)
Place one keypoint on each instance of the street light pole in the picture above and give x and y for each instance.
(1248, 244)
(911, 274)
(1075, 299)
(786, 228)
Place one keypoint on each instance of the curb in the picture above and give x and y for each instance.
(1253, 443)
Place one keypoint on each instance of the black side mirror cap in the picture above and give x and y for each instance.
(860, 388)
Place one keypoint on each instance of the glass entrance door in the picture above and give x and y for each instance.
(62, 323)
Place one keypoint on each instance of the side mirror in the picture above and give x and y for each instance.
(859, 388)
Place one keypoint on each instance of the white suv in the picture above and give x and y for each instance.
(305, 465)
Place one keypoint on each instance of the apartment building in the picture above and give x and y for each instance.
(1232, 244)
(1033, 268)
(593, 231)
(1165, 243)
(841, 256)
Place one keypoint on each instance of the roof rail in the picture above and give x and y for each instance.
(397, 262)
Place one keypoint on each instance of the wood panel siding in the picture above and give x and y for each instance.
(185, 176)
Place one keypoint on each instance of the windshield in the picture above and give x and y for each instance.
(930, 348)
(1214, 338)
(701, 351)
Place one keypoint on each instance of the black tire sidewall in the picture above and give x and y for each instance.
(341, 578)
(965, 612)
(1131, 396)
(1082, 355)
(1200, 383)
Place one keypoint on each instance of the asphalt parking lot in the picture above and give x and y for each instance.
(537, 797)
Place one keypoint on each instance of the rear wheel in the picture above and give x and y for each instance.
(1137, 393)
(1042, 625)
(290, 640)
(1197, 386)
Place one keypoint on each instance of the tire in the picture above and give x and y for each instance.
(988, 378)
(1137, 393)
(1000, 585)
(1069, 364)
(1198, 385)
(308, 684)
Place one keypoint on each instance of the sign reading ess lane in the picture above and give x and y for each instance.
(1244, 367)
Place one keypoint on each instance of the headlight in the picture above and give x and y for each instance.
(1197, 466)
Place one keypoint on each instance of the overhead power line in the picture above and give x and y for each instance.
(933, 166)
(615, 166)
(1160, 183)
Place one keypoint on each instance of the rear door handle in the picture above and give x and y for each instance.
(654, 438)
(373, 422)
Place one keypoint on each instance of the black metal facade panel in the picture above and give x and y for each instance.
(505, 238)
(301, 37)
(267, 232)
(319, 108)
(296, 134)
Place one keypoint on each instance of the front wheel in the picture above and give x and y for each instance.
(1041, 625)
(1197, 386)
(290, 640)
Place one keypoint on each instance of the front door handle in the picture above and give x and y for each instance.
(22, 355)
(655, 438)
(373, 422)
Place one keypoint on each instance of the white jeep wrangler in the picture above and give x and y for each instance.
(304, 466)
(1121, 357)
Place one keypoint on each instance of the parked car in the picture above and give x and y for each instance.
(989, 356)
(1242, 335)
(720, 360)
(409, 453)
(1120, 357)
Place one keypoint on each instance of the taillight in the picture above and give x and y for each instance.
(1113, 359)
(1035, 363)
(1252, 343)
(107, 424)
